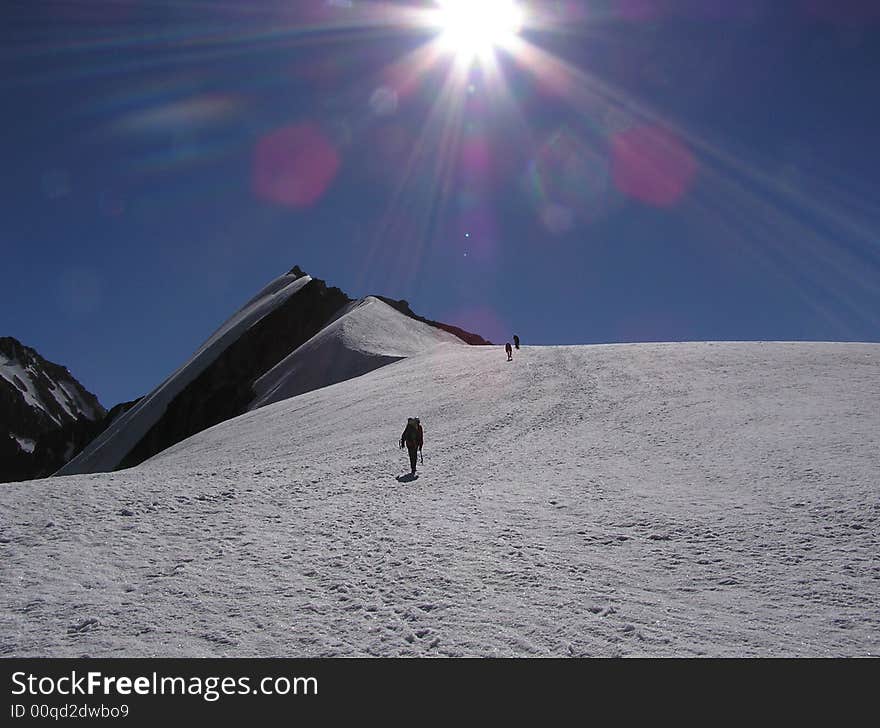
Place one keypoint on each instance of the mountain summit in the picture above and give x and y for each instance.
(295, 335)
(46, 415)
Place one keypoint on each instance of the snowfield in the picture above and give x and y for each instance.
(717, 499)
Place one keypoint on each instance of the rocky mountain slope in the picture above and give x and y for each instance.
(252, 360)
(46, 415)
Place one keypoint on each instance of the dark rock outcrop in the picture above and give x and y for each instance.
(58, 447)
(49, 384)
(45, 420)
(15, 463)
(224, 389)
(117, 411)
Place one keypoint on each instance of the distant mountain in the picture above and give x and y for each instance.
(46, 415)
(296, 335)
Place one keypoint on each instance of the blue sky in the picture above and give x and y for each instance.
(624, 170)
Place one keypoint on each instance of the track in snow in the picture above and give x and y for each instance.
(668, 499)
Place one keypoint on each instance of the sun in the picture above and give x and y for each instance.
(472, 29)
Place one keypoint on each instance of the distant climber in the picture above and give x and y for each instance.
(516, 341)
(412, 437)
(509, 351)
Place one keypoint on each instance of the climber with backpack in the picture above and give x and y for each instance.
(412, 437)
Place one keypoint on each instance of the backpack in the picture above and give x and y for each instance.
(413, 432)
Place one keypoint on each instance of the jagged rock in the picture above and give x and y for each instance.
(46, 415)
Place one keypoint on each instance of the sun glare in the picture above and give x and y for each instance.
(473, 28)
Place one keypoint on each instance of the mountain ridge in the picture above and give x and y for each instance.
(217, 382)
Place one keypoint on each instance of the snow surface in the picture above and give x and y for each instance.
(367, 335)
(108, 450)
(658, 499)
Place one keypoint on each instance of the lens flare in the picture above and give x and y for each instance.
(474, 28)
(652, 165)
(294, 166)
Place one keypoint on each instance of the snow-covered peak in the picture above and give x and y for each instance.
(366, 335)
(297, 334)
(49, 390)
(111, 448)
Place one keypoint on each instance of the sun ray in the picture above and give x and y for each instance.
(424, 184)
(210, 39)
(788, 229)
(772, 221)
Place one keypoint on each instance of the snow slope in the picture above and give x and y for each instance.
(658, 499)
(368, 335)
(109, 449)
